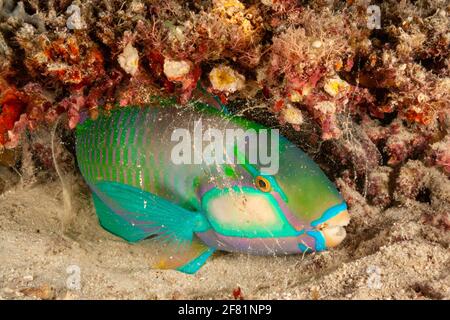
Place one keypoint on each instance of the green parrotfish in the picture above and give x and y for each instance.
(139, 191)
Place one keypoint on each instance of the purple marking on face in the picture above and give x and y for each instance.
(279, 245)
(205, 188)
(293, 220)
(257, 246)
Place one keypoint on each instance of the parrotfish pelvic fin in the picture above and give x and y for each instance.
(187, 260)
(135, 214)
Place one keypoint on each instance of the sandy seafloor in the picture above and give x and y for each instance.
(388, 254)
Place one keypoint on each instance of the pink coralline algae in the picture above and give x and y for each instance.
(72, 60)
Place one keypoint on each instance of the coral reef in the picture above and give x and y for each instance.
(372, 104)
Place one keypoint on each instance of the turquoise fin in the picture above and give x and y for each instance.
(195, 264)
(187, 260)
(115, 224)
(135, 214)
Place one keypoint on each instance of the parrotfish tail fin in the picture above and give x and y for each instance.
(212, 100)
(134, 214)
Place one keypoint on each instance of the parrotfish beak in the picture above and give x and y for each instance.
(329, 230)
(333, 229)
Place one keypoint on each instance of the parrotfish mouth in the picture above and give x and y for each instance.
(331, 225)
(333, 230)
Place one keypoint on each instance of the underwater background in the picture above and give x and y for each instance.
(363, 87)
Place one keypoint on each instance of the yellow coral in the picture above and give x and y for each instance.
(228, 6)
(292, 115)
(297, 96)
(334, 86)
(223, 78)
(129, 59)
(232, 12)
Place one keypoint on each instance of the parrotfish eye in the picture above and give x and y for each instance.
(263, 184)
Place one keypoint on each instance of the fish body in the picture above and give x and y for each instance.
(140, 191)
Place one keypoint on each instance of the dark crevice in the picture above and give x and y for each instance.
(424, 196)
(434, 64)
(427, 291)
(29, 8)
(388, 118)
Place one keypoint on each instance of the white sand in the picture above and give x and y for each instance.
(387, 255)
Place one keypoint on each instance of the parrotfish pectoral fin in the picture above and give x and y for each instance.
(116, 224)
(187, 260)
(135, 214)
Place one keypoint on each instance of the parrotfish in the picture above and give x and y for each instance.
(139, 192)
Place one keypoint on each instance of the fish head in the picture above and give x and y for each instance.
(298, 201)
(310, 197)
